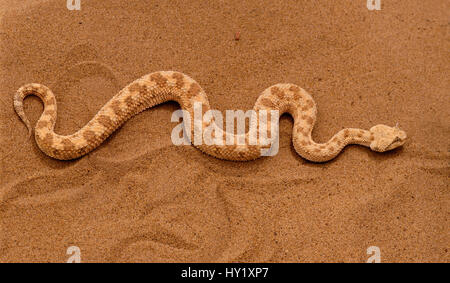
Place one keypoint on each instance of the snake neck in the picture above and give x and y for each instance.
(356, 136)
(322, 152)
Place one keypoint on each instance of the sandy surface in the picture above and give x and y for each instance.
(140, 198)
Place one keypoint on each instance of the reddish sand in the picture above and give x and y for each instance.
(140, 198)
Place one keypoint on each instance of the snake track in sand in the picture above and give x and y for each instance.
(162, 86)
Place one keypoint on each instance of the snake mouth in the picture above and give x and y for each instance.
(398, 141)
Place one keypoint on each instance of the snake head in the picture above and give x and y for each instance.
(386, 138)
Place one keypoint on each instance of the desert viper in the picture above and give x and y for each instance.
(159, 87)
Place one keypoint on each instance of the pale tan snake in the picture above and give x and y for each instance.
(159, 87)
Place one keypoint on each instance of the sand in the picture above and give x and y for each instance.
(139, 198)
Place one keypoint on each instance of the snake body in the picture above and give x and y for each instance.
(162, 86)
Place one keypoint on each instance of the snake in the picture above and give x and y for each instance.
(162, 86)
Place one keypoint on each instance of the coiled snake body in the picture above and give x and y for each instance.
(159, 87)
